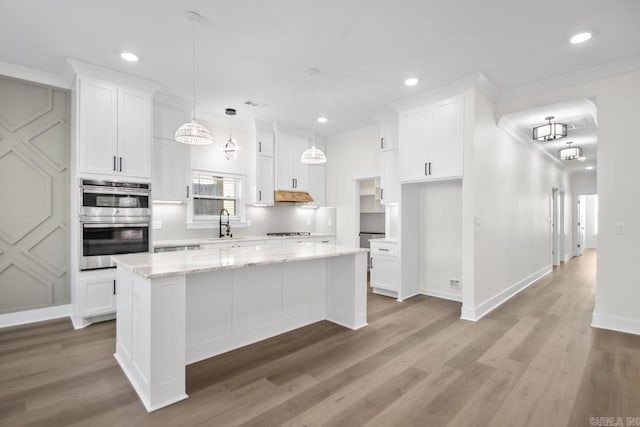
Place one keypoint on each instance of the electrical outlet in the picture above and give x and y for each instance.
(454, 283)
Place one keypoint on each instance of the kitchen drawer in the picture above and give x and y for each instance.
(384, 248)
(326, 240)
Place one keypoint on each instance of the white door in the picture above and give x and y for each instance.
(265, 142)
(300, 170)
(415, 136)
(389, 136)
(264, 186)
(170, 171)
(555, 233)
(284, 172)
(98, 127)
(445, 151)
(582, 214)
(134, 133)
(383, 273)
(98, 295)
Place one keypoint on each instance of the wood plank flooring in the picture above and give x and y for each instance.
(533, 362)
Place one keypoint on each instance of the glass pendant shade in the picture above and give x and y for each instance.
(313, 156)
(231, 149)
(550, 131)
(193, 133)
(570, 153)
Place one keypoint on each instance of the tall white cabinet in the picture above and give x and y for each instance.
(261, 164)
(291, 175)
(389, 179)
(114, 124)
(431, 141)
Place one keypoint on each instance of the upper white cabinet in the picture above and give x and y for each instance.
(389, 179)
(389, 136)
(431, 141)
(292, 175)
(316, 187)
(261, 164)
(171, 171)
(114, 130)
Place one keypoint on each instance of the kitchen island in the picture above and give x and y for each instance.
(177, 308)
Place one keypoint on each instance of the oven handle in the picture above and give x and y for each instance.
(121, 191)
(102, 225)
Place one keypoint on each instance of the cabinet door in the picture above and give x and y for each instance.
(390, 182)
(265, 143)
(265, 181)
(170, 171)
(415, 137)
(389, 136)
(98, 295)
(316, 186)
(284, 172)
(384, 273)
(445, 151)
(300, 170)
(134, 133)
(98, 127)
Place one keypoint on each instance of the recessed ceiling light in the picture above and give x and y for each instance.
(582, 159)
(589, 168)
(129, 57)
(580, 38)
(411, 81)
(322, 120)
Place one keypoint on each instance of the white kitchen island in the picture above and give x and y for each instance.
(176, 308)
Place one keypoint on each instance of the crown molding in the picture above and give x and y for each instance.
(511, 128)
(583, 76)
(33, 75)
(75, 68)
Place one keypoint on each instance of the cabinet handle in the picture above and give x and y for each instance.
(381, 193)
(426, 171)
(293, 183)
(187, 191)
(259, 146)
(114, 163)
(429, 168)
(382, 143)
(371, 264)
(383, 250)
(259, 195)
(120, 164)
(114, 287)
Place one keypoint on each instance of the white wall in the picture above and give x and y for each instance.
(618, 100)
(512, 202)
(584, 182)
(352, 155)
(440, 237)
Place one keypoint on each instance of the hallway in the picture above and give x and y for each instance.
(534, 361)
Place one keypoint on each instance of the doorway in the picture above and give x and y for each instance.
(557, 226)
(587, 223)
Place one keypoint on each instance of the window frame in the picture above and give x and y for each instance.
(207, 221)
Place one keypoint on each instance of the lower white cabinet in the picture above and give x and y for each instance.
(326, 240)
(97, 292)
(384, 268)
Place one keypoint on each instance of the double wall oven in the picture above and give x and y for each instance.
(114, 218)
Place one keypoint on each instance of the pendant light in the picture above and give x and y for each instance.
(313, 155)
(231, 148)
(194, 133)
(550, 131)
(569, 152)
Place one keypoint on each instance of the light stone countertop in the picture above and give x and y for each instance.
(155, 265)
(384, 240)
(213, 240)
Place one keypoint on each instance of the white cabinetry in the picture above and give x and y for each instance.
(114, 130)
(389, 179)
(171, 171)
(431, 141)
(384, 268)
(292, 175)
(97, 292)
(261, 166)
(316, 185)
(330, 240)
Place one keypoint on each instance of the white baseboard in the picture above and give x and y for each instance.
(567, 256)
(36, 315)
(615, 323)
(441, 294)
(476, 313)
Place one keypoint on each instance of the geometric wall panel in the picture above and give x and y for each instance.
(50, 252)
(20, 289)
(25, 102)
(52, 142)
(25, 194)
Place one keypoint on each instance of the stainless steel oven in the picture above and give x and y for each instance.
(114, 199)
(114, 219)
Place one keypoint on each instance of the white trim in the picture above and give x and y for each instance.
(583, 76)
(441, 294)
(32, 75)
(615, 323)
(509, 126)
(36, 315)
(567, 256)
(74, 67)
(477, 313)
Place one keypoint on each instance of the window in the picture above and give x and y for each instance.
(212, 192)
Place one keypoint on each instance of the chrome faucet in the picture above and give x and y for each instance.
(227, 225)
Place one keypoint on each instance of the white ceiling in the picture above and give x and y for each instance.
(261, 50)
(582, 129)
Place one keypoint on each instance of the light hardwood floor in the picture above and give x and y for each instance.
(533, 362)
